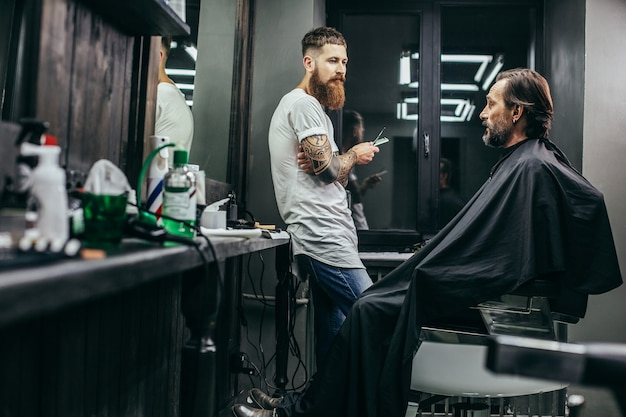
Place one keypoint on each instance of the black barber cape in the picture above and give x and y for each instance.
(534, 217)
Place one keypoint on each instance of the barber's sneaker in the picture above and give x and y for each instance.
(240, 410)
(261, 399)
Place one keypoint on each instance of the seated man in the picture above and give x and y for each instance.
(535, 216)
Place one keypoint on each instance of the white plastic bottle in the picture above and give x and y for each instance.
(48, 188)
(178, 201)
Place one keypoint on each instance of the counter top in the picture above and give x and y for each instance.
(26, 292)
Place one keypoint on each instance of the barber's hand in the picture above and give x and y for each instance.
(304, 162)
(365, 152)
(371, 181)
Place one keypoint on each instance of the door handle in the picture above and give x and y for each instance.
(426, 137)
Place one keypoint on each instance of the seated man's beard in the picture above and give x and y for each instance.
(331, 94)
(497, 136)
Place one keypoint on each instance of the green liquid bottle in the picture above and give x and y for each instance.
(179, 198)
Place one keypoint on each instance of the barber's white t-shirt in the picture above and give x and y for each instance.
(316, 213)
(173, 117)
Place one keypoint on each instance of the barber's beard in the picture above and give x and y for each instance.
(498, 133)
(330, 94)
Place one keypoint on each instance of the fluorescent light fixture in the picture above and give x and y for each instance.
(483, 60)
(459, 87)
(402, 112)
(494, 71)
(471, 112)
(466, 58)
(184, 86)
(405, 69)
(181, 72)
(463, 110)
(192, 52)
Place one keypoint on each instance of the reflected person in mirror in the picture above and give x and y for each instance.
(173, 116)
(314, 206)
(450, 202)
(352, 134)
(534, 217)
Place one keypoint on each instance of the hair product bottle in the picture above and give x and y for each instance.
(179, 203)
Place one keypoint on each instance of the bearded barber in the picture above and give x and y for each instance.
(314, 205)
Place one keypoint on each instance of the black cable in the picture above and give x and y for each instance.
(159, 234)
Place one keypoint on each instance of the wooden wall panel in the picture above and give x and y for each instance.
(84, 84)
(53, 89)
(115, 357)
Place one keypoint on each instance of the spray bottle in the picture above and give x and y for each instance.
(48, 188)
(156, 172)
(33, 131)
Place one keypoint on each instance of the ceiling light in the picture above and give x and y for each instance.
(192, 52)
(181, 72)
(405, 69)
(494, 71)
(483, 60)
(459, 87)
(182, 86)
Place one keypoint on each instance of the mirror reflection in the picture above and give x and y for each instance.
(383, 85)
(372, 89)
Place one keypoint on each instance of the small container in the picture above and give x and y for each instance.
(104, 217)
(48, 190)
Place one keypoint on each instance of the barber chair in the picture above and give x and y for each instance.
(594, 364)
(449, 377)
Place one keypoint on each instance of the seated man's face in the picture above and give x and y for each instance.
(496, 117)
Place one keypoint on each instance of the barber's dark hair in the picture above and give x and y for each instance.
(445, 167)
(349, 121)
(529, 89)
(166, 45)
(321, 36)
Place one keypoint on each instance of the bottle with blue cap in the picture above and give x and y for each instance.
(179, 202)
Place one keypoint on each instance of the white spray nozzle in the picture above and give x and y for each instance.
(156, 141)
(216, 206)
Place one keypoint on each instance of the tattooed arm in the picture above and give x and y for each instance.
(330, 168)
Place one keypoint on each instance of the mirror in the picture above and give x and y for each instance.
(390, 83)
(372, 90)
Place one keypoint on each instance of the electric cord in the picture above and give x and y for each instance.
(138, 228)
(294, 347)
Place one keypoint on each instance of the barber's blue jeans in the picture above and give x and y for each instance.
(334, 291)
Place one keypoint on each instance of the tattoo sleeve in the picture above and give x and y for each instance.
(328, 167)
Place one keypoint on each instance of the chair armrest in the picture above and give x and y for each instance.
(600, 364)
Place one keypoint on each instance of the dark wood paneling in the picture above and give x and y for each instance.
(84, 85)
(118, 356)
